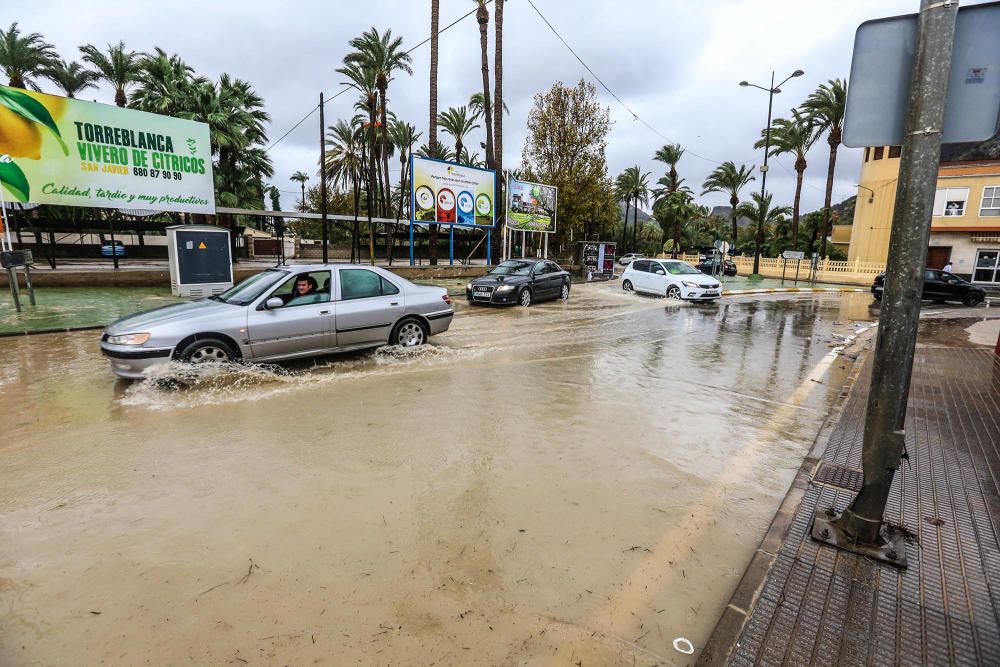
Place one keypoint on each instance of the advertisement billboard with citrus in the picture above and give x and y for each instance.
(447, 193)
(56, 150)
(531, 207)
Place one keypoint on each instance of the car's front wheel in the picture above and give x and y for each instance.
(207, 351)
(673, 292)
(524, 298)
(972, 299)
(627, 285)
(564, 292)
(409, 333)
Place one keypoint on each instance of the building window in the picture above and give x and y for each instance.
(950, 202)
(987, 267)
(879, 152)
(991, 201)
(868, 152)
(894, 151)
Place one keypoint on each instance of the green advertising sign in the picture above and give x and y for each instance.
(56, 150)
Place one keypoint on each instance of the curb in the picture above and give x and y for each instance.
(33, 332)
(777, 290)
(729, 627)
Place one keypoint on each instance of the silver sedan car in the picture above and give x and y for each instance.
(282, 313)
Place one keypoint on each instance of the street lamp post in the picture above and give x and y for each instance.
(767, 148)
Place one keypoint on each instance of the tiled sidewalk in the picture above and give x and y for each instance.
(820, 605)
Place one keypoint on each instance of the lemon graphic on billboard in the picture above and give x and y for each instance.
(24, 123)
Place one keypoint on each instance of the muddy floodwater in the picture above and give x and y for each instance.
(573, 483)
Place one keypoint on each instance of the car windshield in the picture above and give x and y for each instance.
(680, 268)
(251, 288)
(512, 269)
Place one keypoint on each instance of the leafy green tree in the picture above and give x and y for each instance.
(23, 58)
(637, 190)
(671, 154)
(119, 67)
(72, 78)
(566, 147)
(165, 84)
(825, 107)
(671, 209)
(729, 179)
(763, 215)
(364, 79)
(346, 164)
(795, 136)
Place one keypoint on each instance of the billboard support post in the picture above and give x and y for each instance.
(322, 181)
(860, 527)
(451, 246)
(489, 250)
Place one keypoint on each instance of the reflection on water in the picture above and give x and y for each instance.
(584, 479)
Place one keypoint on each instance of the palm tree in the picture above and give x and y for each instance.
(440, 152)
(345, 164)
(22, 58)
(825, 107)
(301, 177)
(498, 108)
(763, 215)
(364, 80)
(673, 206)
(729, 179)
(120, 67)
(403, 137)
(623, 192)
(483, 19)
(165, 84)
(71, 77)
(383, 54)
(794, 136)
(640, 194)
(671, 154)
(457, 122)
(432, 134)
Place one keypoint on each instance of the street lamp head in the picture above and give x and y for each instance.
(776, 91)
(744, 83)
(798, 72)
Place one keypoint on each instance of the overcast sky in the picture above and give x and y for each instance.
(675, 64)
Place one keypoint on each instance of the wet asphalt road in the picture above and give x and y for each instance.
(579, 481)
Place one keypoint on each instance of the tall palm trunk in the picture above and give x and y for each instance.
(483, 17)
(498, 118)
(628, 202)
(384, 131)
(120, 99)
(677, 220)
(635, 224)
(373, 182)
(432, 138)
(800, 169)
(357, 224)
(834, 140)
(390, 242)
(303, 196)
(734, 201)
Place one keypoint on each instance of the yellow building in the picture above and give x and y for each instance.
(965, 228)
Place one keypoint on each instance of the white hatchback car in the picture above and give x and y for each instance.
(630, 257)
(671, 278)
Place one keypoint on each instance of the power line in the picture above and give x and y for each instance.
(611, 92)
(344, 90)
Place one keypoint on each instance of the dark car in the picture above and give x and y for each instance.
(940, 286)
(109, 249)
(522, 281)
(728, 267)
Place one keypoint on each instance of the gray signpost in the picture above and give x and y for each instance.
(860, 527)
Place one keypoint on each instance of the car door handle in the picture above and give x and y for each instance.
(324, 312)
(393, 303)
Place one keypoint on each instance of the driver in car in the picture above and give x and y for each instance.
(304, 286)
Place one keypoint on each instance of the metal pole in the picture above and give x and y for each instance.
(489, 249)
(27, 281)
(5, 221)
(900, 313)
(763, 176)
(451, 246)
(12, 283)
(545, 253)
(411, 239)
(114, 247)
(322, 181)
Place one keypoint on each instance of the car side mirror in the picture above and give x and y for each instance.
(273, 302)
(660, 272)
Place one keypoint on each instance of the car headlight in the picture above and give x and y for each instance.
(505, 288)
(129, 339)
(469, 286)
(688, 283)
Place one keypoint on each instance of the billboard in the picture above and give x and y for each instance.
(452, 194)
(56, 150)
(531, 207)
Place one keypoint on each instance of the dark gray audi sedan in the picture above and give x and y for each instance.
(283, 313)
(520, 281)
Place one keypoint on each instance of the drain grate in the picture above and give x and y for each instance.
(841, 476)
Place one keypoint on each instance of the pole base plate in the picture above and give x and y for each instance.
(890, 548)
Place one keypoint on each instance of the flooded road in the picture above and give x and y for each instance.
(574, 483)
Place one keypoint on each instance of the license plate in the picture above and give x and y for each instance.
(711, 293)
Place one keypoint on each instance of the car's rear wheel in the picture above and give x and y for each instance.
(409, 333)
(972, 299)
(207, 351)
(878, 296)
(524, 298)
(673, 292)
(627, 285)
(564, 292)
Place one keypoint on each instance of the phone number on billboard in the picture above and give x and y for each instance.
(157, 173)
